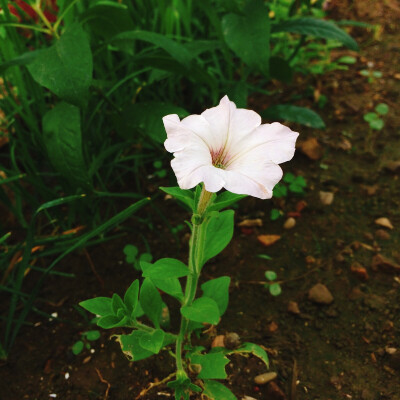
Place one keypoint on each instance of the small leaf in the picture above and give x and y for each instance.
(212, 365)
(151, 301)
(296, 188)
(275, 214)
(77, 347)
(185, 196)
(275, 289)
(347, 60)
(377, 124)
(112, 321)
(280, 190)
(377, 74)
(369, 117)
(254, 349)
(289, 178)
(264, 256)
(117, 303)
(382, 108)
(152, 341)
(219, 233)
(315, 27)
(130, 345)
(166, 268)
(218, 290)
(171, 286)
(92, 335)
(131, 253)
(217, 391)
(203, 309)
(290, 113)
(98, 305)
(225, 199)
(131, 296)
(270, 275)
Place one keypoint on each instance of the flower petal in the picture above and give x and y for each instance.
(177, 138)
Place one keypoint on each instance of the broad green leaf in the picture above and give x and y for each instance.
(270, 275)
(171, 286)
(130, 345)
(98, 305)
(151, 301)
(66, 67)
(377, 124)
(176, 50)
(166, 268)
(275, 289)
(218, 290)
(131, 253)
(254, 349)
(107, 20)
(185, 196)
(288, 112)
(219, 232)
(212, 365)
(77, 347)
(248, 35)
(131, 296)
(146, 119)
(112, 321)
(203, 309)
(382, 108)
(23, 59)
(238, 93)
(152, 341)
(226, 199)
(92, 335)
(315, 27)
(215, 390)
(63, 140)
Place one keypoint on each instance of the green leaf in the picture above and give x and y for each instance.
(117, 303)
(171, 286)
(238, 93)
(248, 35)
(264, 256)
(77, 347)
(130, 345)
(131, 296)
(131, 253)
(219, 232)
(275, 289)
(217, 391)
(280, 190)
(270, 275)
(301, 181)
(382, 108)
(66, 67)
(288, 112)
(166, 268)
(347, 60)
(152, 341)
(185, 196)
(315, 27)
(146, 118)
(280, 69)
(98, 305)
(112, 321)
(176, 50)
(212, 365)
(23, 59)
(377, 124)
(377, 74)
(226, 199)
(289, 178)
(296, 188)
(63, 140)
(92, 335)
(203, 309)
(369, 117)
(182, 387)
(218, 290)
(254, 349)
(275, 214)
(151, 301)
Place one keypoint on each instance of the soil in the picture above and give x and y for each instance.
(348, 349)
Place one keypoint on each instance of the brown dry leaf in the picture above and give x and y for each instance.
(345, 144)
(385, 263)
(385, 222)
(249, 223)
(268, 240)
(218, 341)
(311, 148)
(74, 230)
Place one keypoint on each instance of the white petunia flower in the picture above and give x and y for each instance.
(228, 147)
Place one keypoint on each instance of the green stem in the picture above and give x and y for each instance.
(195, 259)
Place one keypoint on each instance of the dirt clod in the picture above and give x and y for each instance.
(293, 308)
(320, 294)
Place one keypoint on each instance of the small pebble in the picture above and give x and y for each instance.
(382, 234)
(265, 378)
(326, 198)
(232, 340)
(390, 350)
(248, 398)
(289, 223)
(293, 308)
(320, 294)
(385, 222)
